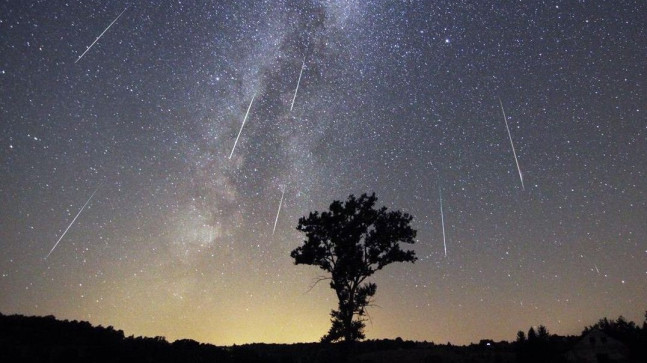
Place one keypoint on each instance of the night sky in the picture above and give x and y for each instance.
(402, 98)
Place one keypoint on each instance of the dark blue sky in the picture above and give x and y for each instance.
(400, 98)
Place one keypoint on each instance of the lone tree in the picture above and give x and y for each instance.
(351, 242)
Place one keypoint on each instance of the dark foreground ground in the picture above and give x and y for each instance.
(45, 339)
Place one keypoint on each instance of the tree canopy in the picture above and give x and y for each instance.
(351, 241)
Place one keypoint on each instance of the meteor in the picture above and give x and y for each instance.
(278, 211)
(241, 126)
(100, 35)
(442, 218)
(71, 223)
(512, 144)
(298, 82)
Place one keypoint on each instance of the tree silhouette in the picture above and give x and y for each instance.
(521, 336)
(351, 242)
(542, 333)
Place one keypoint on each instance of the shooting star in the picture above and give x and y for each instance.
(505, 119)
(71, 223)
(278, 211)
(100, 35)
(596, 268)
(442, 218)
(241, 126)
(298, 82)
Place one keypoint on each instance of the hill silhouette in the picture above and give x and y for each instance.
(46, 339)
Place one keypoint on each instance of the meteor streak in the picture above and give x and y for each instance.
(512, 144)
(298, 82)
(100, 35)
(442, 218)
(278, 211)
(241, 126)
(71, 223)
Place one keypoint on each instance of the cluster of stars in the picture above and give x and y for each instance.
(188, 120)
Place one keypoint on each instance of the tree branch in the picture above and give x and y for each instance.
(317, 279)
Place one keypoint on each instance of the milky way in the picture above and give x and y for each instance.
(179, 241)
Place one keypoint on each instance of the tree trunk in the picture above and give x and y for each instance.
(348, 316)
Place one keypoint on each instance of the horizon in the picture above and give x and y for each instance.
(155, 160)
(126, 335)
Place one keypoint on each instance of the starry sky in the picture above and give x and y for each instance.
(403, 98)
